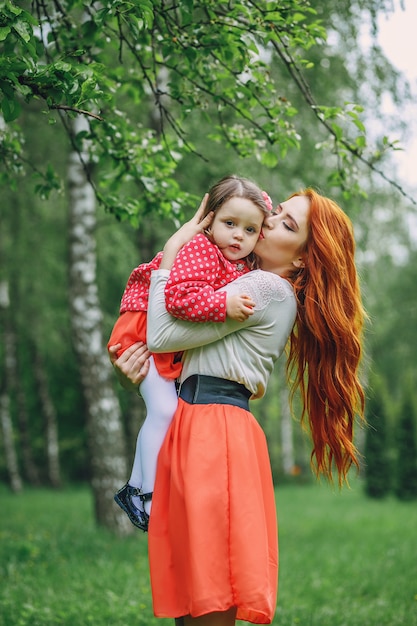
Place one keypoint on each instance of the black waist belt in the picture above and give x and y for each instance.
(198, 389)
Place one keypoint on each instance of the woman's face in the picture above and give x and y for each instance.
(284, 235)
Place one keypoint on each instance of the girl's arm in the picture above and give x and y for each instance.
(132, 293)
(190, 291)
(187, 231)
(168, 334)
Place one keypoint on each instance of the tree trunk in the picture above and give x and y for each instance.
(8, 443)
(50, 421)
(30, 471)
(104, 425)
(5, 417)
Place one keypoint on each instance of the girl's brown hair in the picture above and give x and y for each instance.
(325, 345)
(235, 187)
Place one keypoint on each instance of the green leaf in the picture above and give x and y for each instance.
(23, 30)
(11, 8)
(4, 32)
(269, 159)
(338, 131)
(298, 17)
(10, 108)
(62, 66)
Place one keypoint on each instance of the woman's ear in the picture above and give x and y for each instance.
(298, 263)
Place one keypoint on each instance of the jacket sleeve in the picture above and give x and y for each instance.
(189, 293)
(135, 295)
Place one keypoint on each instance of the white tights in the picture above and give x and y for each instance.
(160, 397)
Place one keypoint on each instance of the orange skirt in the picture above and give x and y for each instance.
(213, 541)
(129, 328)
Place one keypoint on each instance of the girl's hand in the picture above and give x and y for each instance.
(239, 307)
(187, 231)
(132, 366)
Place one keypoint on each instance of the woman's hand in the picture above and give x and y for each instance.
(187, 231)
(132, 366)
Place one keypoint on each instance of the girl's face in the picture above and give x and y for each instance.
(236, 227)
(284, 236)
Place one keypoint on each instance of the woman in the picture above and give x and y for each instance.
(212, 536)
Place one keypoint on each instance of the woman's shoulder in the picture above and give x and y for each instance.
(268, 282)
(263, 287)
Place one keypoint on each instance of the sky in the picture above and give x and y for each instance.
(398, 38)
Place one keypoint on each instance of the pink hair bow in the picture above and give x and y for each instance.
(268, 201)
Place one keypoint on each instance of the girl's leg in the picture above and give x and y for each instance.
(160, 397)
(136, 475)
(218, 618)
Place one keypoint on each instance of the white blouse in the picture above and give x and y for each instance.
(241, 351)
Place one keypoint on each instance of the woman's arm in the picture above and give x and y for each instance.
(168, 334)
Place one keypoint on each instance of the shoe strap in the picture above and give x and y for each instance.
(146, 496)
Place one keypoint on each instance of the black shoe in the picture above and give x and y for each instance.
(124, 499)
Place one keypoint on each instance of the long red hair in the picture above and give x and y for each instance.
(325, 345)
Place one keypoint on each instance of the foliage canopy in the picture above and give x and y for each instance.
(138, 69)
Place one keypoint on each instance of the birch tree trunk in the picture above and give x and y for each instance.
(50, 421)
(5, 417)
(30, 470)
(104, 425)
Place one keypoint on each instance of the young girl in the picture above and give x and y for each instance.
(205, 264)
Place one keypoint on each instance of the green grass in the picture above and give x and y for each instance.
(344, 561)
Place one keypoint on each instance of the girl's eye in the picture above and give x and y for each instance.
(229, 223)
(251, 230)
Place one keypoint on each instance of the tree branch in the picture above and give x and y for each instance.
(304, 88)
(65, 107)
